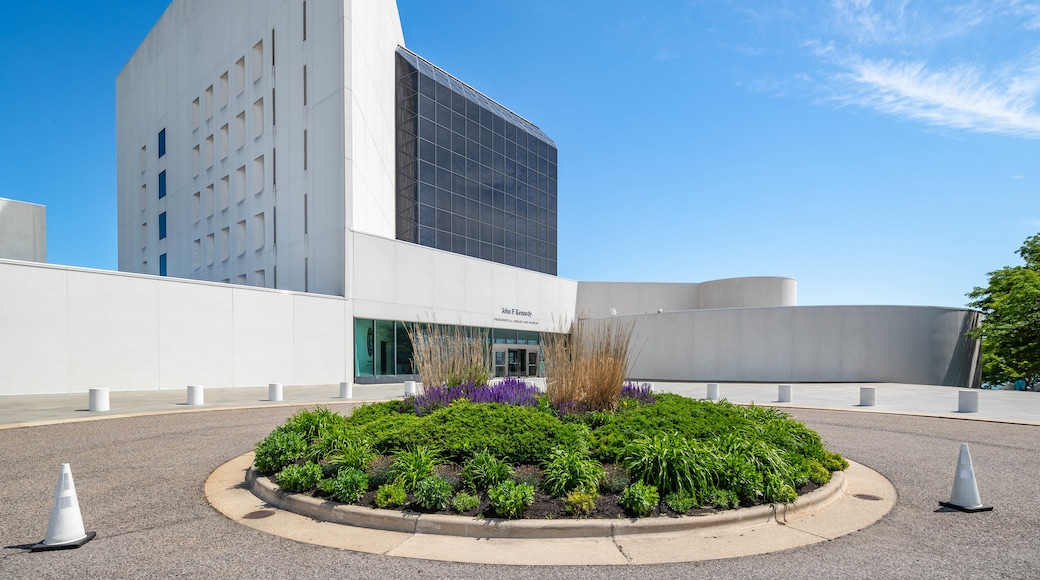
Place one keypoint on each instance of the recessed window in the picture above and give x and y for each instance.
(209, 249)
(258, 174)
(240, 237)
(196, 254)
(195, 160)
(162, 226)
(240, 184)
(225, 193)
(224, 137)
(162, 142)
(162, 184)
(195, 114)
(258, 231)
(209, 151)
(305, 20)
(240, 130)
(144, 158)
(144, 196)
(240, 76)
(196, 206)
(258, 118)
(144, 235)
(208, 102)
(258, 60)
(305, 149)
(209, 200)
(162, 264)
(259, 279)
(223, 95)
(225, 243)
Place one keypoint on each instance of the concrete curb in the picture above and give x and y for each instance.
(463, 526)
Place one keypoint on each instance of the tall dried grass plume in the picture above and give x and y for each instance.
(450, 355)
(586, 367)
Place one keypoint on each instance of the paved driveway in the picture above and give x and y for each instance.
(139, 482)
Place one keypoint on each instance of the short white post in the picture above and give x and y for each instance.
(274, 392)
(195, 395)
(409, 388)
(98, 400)
(867, 396)
(783, 394)
(968, 402)
(713, 391)
(346, 390)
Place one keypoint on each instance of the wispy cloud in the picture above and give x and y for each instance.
(665, 54)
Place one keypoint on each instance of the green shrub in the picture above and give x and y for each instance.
(671, 463)
(484, 470)
(299, 478)
(510, 499)
(639, 499)
(325, 485)
(463, 502)
(350, 484)
(390, 495)
(380, 470)
(681, 501)
(614, 479)
(833, 462)
(354, 453)
(279, 449)
(581, 501)
(817, 473)
(529, 475)
(566, 470)
(722, 498)
(778, 490)
(313, 424)
(740, 476)
(432, 493)
(450, 473)
(411, 467)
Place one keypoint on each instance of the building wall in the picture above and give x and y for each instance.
(403, 281)
(23, 231)
(596, 299)
(65, 330)
(899, 344)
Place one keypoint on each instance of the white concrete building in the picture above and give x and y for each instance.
(23, 231)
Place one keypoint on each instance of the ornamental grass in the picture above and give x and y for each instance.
(586, 368)
(450, 355)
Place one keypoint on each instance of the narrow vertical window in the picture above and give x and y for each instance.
(305, 149)
(258, 60)
(274, 225)
(305, 215)
(144, 235)
(162, 226)
(258, 118)
(195, 114)
(223, 96)
(304, 85)
(305, 20)
(272, 48)
(208, 102)
(196, 207)
(240, 184)
(162, 184)
(162, 264)
(225, 193)
(258, 231)
(240, 76)
(196, 254)
(274, 166)
(225, 244)
(240, 238)
(162, 142)
(273, 108)
(144, 158)
(240, 130)
(196, 156)
(306, 275)
(258, 174)
(224, 138)
(209, 200)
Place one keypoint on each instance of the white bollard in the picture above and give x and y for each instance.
(783, 394)
(195, 395)
(98, 400)
(346, 390)
(867, 396)
(274, 392)
(713, 391)
(409, 388)
(968, 402)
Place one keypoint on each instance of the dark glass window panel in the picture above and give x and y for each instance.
(510, 151)
(442, 136)
(510, 221)
(510, 168)
(485, 232)
(543, 200)
(499, 238)
(521, 225)
(498, 144)
(485, 118)
(486, 137)
(486, 194)
(427, 129)
(472, 190)
(443, 116)
(510, 188)
(427, 216)
(510, 132)
(473, 151)
(472, 209)
(443, 200)
(521, 243)
(443, 241)
(485, 251)
(427, 172)
(473, 111)
(162, 226)
(427, 151)
(498, 125)
(443, 178)
(552, 188)
(521, 208)
(521, 174)
(485, 177)
(458, 164)
(427, 194)
(510, 257)
(427, 86)
(543, 265)
(485, 214)
(427, 108)
(521, 140)
(458, 184)
(443, 95)
(521, 261)
(552, 202)
(552, 156)
(458, 104)
(543, 166)
(521, 156)
(486, 156)
(472, 131)
(498, 254)
(510, 240)
(473, 229)
(472, 168)
(162, 142)
(443, 220)
(458, 123)
(458, 244)
(499, 200)
(443, 157)
(162, 264)
(458, 205)
(472, 248)
(498, 181)
(498, 162)
(162, 183)
(552, 221)
(427, 236)
(552, 172)
(499, 218)
(458, 144)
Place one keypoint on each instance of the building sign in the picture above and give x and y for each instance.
(516, 316)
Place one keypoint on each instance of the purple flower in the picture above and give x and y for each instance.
(510, 391)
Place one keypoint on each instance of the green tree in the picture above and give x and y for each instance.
(1010, 332)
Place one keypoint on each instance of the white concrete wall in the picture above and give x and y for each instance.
(68, 329)
(901, 344)
(596, 299)
(402, 281)
(23, 231)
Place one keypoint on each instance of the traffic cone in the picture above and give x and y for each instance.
(965, 496)
(65, 529)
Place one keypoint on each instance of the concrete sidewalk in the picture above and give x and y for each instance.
(927, 400)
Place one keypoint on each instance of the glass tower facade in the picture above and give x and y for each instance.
(473, 177)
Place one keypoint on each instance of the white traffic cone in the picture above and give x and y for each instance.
(65, 529)
(965, 496)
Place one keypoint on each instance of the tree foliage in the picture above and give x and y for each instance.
(1010, 332)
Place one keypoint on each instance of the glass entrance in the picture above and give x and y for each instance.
(515, 362)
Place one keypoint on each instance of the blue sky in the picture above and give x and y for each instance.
(879, 152)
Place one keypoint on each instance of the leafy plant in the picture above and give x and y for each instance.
(510, 499)
(639, 499)
(350, 484)
(484, 470)
(432, 493)
(672, 463)
(614, 479)
(833, 461)
(581, 501)
(568, 469)
(299, 478)
(450, 473)
(314, 423)
(279, 449)
(380, 470)
(463, 502)
(722, 498)
(681, 501)
(528, 474)
(355, 453)
(411, 467)
(390, 495)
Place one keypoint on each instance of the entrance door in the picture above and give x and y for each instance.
(515, 362)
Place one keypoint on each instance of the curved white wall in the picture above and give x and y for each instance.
(596, 299)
